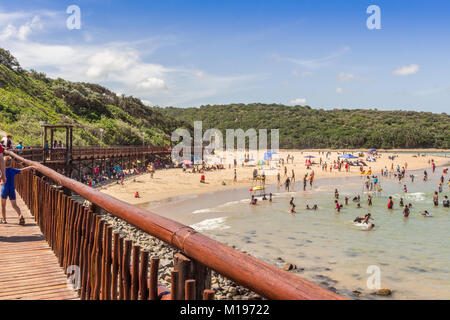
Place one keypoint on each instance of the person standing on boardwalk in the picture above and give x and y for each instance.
(9, 190)
(2, 166)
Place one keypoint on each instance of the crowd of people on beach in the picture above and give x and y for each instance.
(371, 186)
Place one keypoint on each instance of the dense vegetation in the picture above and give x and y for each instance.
(27, 97)
(303, 127)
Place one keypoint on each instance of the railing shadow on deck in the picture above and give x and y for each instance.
(111, 267)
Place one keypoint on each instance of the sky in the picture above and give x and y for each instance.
(192, 53)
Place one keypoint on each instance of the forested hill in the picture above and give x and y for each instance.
(304, 127)
(27, 97)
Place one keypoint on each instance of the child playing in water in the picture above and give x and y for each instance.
(406, 211)
(292, 211)
(338, 206)
(390, 203)
(9, 190)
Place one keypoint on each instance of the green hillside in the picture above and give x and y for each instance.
(304, 127)
(27, 97)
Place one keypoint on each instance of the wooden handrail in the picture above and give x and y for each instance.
(259, 276)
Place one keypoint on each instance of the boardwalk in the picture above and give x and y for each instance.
(28, 268)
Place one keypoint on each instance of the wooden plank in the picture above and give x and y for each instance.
(28, 267)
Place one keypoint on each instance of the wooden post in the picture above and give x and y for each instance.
(126, 276)
(208, 295)
(191, 269)
(143, 275)
(135, 273)
(115, 266)
(173, 285)
(153, 290)
(190, 290)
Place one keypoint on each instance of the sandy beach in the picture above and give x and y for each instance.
(174, 182)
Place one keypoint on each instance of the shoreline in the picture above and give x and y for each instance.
(172, 184)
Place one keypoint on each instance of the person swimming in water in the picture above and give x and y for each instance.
(307, 207)
(253, 201)
(426, 214)
(401, 202)
(369, 200)
(358, 206)
(270, 197)
(363, 219)
(315, 207)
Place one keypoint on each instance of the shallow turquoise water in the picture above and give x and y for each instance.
(412, 254)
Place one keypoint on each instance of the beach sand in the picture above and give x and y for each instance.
(173, 183)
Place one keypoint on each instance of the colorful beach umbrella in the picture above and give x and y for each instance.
(348, 156)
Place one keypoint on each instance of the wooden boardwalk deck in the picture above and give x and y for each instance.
(28, 268)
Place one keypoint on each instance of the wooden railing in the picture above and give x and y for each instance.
(80, 153)
(114, 268)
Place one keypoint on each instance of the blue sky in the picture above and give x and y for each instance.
(189, 53)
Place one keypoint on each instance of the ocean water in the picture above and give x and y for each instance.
(412, 254)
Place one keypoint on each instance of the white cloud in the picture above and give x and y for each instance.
(339, 91)
(298, 101)
(406, 70)
(307, 74)
(147, 103)
(102, 64)
(118, 66)
(303, 74)
(315, 63)
(26, 29)
(153, 84)
(342, 76)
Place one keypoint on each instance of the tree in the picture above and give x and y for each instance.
(8, 60)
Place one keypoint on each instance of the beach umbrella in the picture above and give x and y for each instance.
(309, 157)
(187, 162)
(373, 150)
(348, 156)
(261, 162)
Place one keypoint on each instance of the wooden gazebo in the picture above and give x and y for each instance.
(50, 148)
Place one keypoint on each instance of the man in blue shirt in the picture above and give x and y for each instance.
(9, 190)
